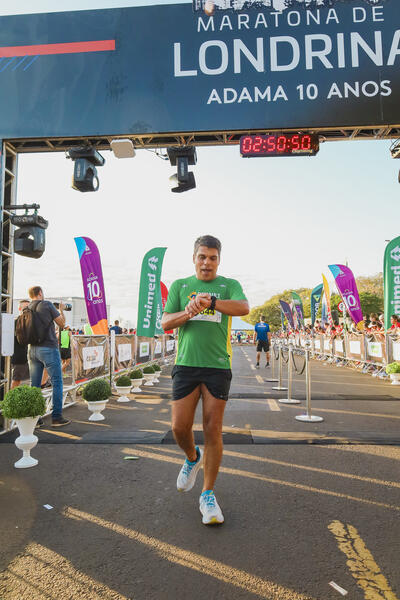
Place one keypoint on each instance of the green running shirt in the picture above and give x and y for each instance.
(205, 340)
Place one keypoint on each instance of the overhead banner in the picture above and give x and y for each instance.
(327, 299)
(150, 307)
(391, 280)
(287, 312)
(316, 296)
(298, 305)
(347, 287)
(233, 64)
(93, 285)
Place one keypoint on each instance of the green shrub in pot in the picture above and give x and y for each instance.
(123, 381)
(392, 368)
(23, 401)
(156, 367)
(148, 370)
(96, 390)
(136, 374)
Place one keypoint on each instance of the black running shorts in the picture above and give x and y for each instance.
(262, 346)
(186, 379)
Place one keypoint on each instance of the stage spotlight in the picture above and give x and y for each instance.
(182, 158)
(30, 237)
(86, 160)
(183, 186)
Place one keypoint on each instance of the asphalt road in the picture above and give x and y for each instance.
(302, 507)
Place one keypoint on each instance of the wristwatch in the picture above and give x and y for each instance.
(213, 301)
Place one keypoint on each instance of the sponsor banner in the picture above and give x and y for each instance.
(327, 299)
(287, 312)
(396, 351)
(317, 344)
(298, 305)
(347, 287)
(316, 296)
(158, 348)
(90, 356)
(125, 352)
(150, 308)
(391, 280)
(169, 347)
(144, 350)
(93, 285)
(339, 346)
(310, 65)
(164, 298)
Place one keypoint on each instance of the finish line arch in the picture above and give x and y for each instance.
(165, 73)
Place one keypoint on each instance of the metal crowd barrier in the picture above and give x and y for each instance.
(368, 352)
(103, 356)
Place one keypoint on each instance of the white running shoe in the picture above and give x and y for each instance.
(188, 473)
(209, 508)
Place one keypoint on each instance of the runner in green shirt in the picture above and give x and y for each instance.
(202, 306)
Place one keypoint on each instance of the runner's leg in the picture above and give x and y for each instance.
(183, 411)
(213, 414)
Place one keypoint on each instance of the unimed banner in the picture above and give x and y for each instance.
(158, 66)
(93, 285)
(298, 305)
(391, 280)
(150, 307)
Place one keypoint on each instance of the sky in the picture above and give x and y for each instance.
(281, 220)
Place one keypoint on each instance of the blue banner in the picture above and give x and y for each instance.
(159, 68)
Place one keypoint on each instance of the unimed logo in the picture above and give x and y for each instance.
(395, 254)
(153, 260)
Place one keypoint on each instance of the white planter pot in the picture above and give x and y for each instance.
(136, 383)
(156, 376)
(26, 441)
(395, 377)
(148, 378)
(122, 391)
(96, 408)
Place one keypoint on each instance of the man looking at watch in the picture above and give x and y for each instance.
(201, 306)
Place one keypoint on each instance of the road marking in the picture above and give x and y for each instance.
(260, 379)
(354, 412)
(62, 434)
(252, 367)
(361, 563)
(273, 405)
(262, 588)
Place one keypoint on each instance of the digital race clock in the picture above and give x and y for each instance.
(292, 144)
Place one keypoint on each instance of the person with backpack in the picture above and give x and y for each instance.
(19, 360)
(36, 327)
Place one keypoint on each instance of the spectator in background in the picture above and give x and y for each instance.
(116, 328)
(65, 347)
(47, 353)
(395, 321)
(19, 360)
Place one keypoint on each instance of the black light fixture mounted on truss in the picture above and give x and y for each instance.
(181, 158)
(30, 237)
(86, 159)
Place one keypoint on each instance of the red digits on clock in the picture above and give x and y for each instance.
(281, 143)
(306, 142)
(271, 143)
(246, 144)
(257, 143)
(295, 142)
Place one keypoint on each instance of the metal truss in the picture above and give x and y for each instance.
(9, 166)
(208, 138)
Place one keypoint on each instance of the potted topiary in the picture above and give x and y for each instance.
(96, 393)
(136, 377)
(157, 371)
(123, 386)
(25, 405)
(393, 369)
(148, 374)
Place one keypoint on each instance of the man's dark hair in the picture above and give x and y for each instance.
(116, 322)
(262, 318)
(209, 241)
(34, 291)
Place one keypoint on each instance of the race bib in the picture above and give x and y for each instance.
(212, 316)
